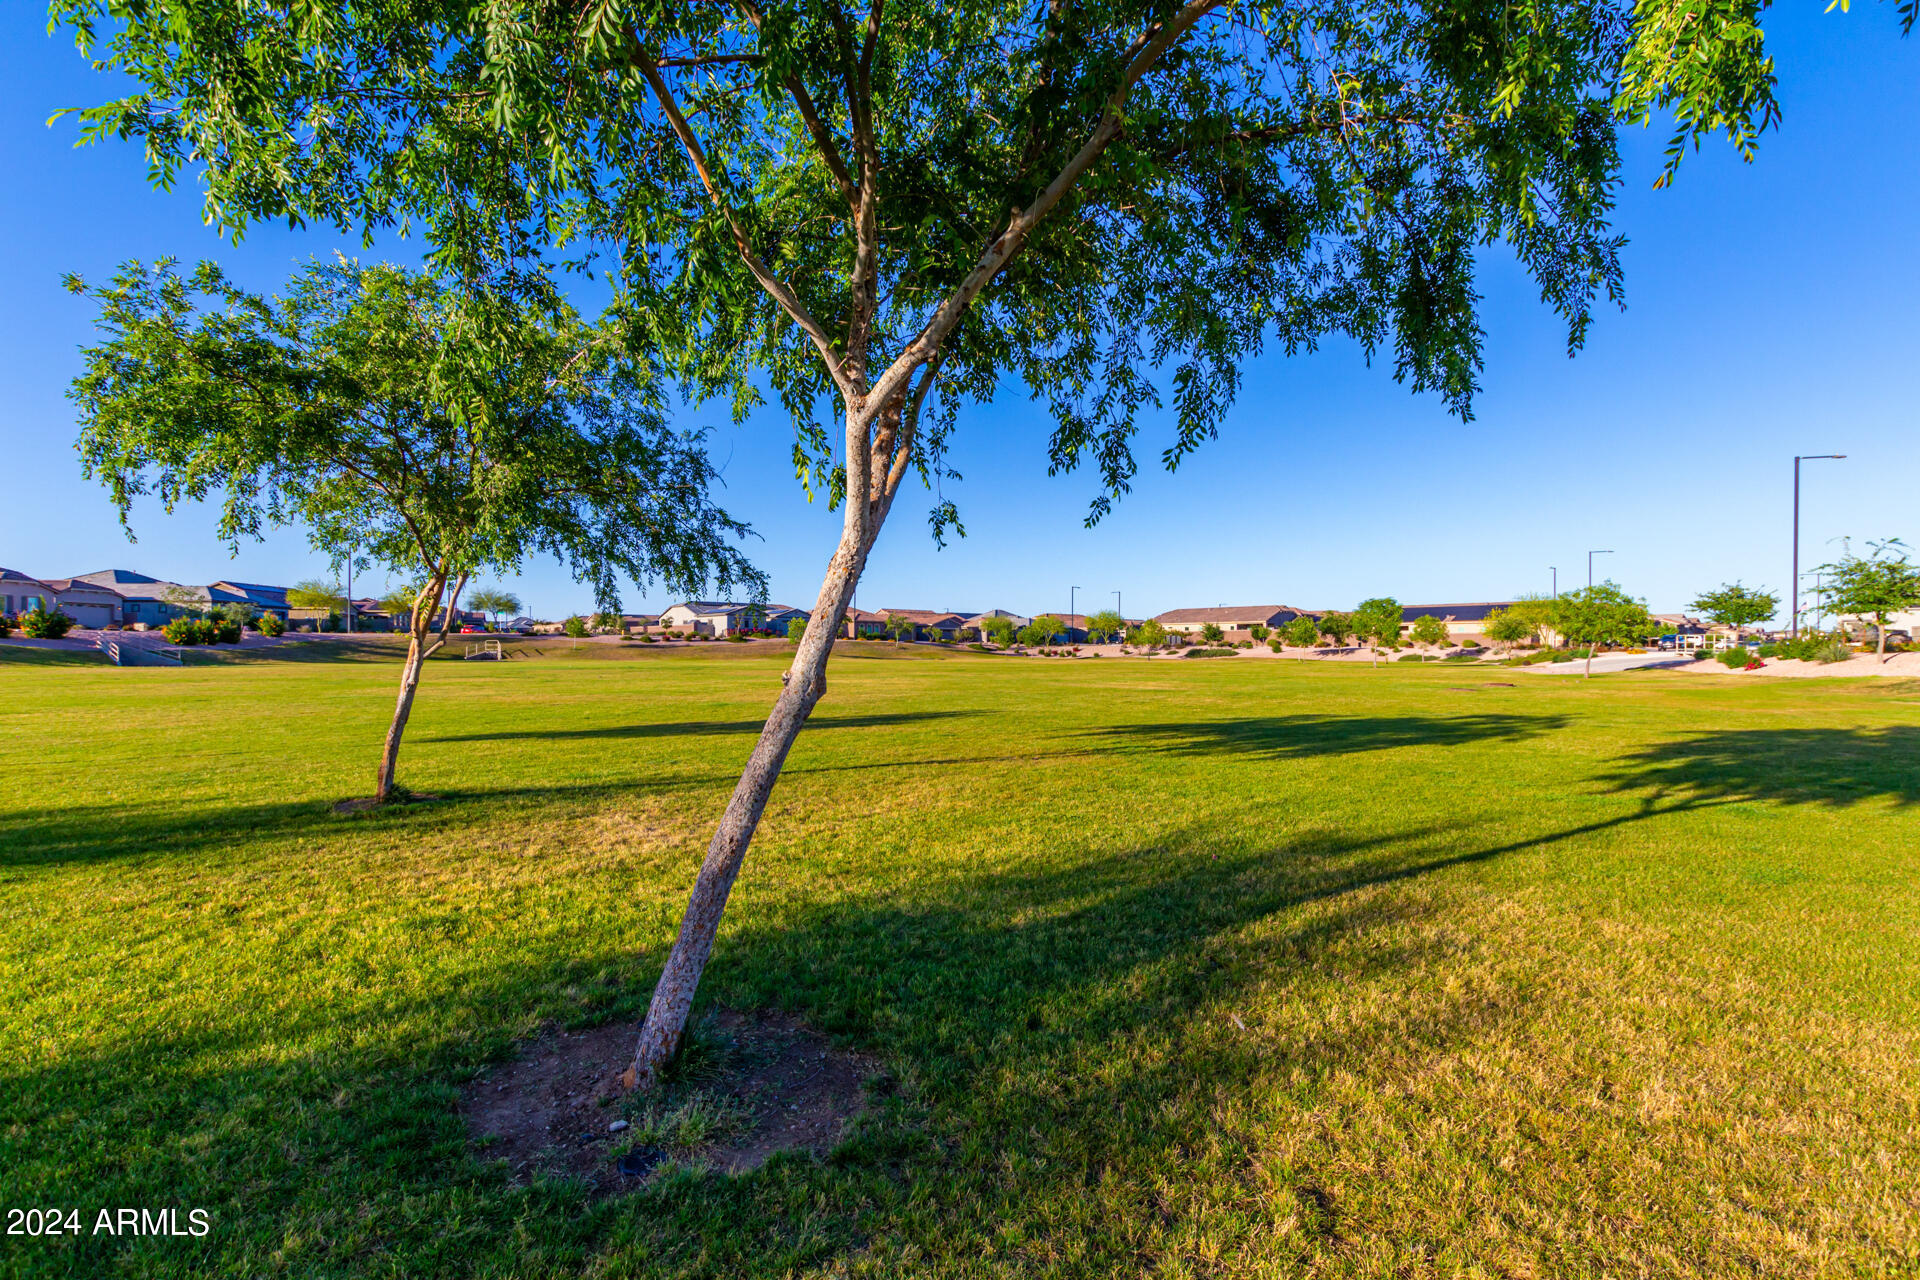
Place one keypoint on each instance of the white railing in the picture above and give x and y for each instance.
(131, 654)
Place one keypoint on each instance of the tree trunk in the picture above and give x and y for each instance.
(419, 623)
(806, 681)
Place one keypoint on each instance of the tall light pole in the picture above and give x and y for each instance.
(1071, 593)
(1793, 622)
(1556, 580)
(1590, 556)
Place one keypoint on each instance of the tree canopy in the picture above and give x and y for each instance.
(1378, 619)
(819, 198)
(1872, 586)
(494, 601)
(437, 429)
(1105, 625)
(309, 593)
(1601, 614)
(1734, 605)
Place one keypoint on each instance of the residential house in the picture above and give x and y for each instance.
(1463, 621)
(779, 617)
(861, 624)
(20, 594)
(928, 624)
(1238, 617)
(370, 615)
(263, 598)
(524, 625)
(718, 617)
(156, 602)
(87, 603)
(977, 622)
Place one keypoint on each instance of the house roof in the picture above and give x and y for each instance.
(13, 575)
(116, 577)
(1474, 611)
(924, 617)
(258, 592)
(1226, 615)
(77, 584)
(705, 608)
(861, 615)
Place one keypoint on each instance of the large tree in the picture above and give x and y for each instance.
(441, 430)
(880, 213)
(1378, 620)
(1737, 606)
(1104, 626)
(1601, 614)
(1872, 586)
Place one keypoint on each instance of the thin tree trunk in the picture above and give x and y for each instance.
(879, 446)
(418, 625)
(806, 681)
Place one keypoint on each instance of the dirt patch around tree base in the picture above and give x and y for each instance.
(371, 804)
(746, 1087)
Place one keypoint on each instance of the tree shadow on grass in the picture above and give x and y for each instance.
(1060, 1040)
(81, 834)
(700, 728)
(992, 996)
(1300, 736)
(1832, 767)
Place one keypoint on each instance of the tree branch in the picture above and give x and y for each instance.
(1146, 50)
(786, 299)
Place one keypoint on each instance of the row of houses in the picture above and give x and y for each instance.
(1464, 620)
(123, 598)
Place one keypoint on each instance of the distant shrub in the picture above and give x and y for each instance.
(223, 630)
(1211, 653)
(6, 626)
(1212, 633)
(1275, 644)
(271, 624)
(1258, 632)
(1831, 651)
(1736, 656)
(41, 625)
(189, 631)
(576, 626)
(735, 637)
(649, 640)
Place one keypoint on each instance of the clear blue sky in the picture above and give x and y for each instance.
(1771, 311)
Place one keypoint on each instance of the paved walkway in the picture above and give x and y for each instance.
(1611, 662)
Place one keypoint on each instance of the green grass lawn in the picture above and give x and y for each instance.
(1176, 969)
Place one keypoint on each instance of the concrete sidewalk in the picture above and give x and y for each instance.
(1608, 662)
